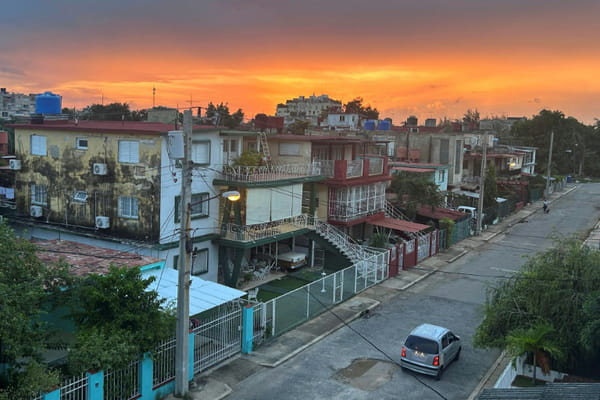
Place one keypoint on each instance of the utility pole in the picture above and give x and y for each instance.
(185, 250)
(482, 185)
(546, 193)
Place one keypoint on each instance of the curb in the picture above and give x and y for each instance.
(487, 376)
(419, 279)
(320, 337)
(457, 257)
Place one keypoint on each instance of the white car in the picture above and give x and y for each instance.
(429, 349)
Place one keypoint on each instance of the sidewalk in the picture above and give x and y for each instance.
(220, 382)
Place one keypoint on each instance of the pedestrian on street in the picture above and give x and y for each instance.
(546, 210)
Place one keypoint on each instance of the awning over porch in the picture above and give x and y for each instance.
(204, 295)
(399, 224)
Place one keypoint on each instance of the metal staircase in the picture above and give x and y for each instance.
(264, 147)
(354, 251)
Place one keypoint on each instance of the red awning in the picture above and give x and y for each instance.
(399, 224)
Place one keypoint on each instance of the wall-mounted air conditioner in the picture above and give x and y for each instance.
(102, 222)
(80, 196)
(100, 169)
(36, 211)
(14, 164)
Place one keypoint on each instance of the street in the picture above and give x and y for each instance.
(452, 297)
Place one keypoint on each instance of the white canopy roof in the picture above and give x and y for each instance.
(204, 295)
(476, 195)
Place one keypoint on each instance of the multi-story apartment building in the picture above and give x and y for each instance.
(307, 108)
(13, 105)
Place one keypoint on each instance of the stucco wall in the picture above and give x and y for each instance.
(65, 169)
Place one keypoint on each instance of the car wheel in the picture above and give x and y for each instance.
(458, 354)
(439, 374)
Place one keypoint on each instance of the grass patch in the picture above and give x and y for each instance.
(306, 274)
(525, 381)
(288, 283)
(266, 295)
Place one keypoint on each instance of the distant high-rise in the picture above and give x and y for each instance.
(307, 108)
(14, 105)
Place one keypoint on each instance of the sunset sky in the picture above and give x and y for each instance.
(430, 58)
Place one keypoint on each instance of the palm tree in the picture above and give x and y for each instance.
(535, 339)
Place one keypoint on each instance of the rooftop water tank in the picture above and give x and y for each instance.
(412, 120)
(48, 103)
(384, 125)
(369, 125)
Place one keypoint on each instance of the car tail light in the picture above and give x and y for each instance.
(403, 354)
(436, 361)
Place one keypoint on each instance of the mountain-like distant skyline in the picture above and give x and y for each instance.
(430, 58)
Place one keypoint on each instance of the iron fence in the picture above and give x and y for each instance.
(74, 388)
(122, 384)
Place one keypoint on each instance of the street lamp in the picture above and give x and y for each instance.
(183, 289)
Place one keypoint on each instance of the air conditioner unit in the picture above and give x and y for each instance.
(100, 169)
(14, 164)
(80, 196)
(36, 211)
(102, 222)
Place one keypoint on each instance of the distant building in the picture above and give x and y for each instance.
(163, 115)
(14, 105)
(307, 108)
(268, 123)
(341, 121)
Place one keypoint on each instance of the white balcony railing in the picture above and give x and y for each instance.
(269, 172)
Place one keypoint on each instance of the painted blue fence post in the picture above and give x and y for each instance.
(95, 386)
(53, 395)
(146, 372)
(192, 346)
(247, 329)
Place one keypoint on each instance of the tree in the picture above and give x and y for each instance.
(26, 286)
(553, 286)
(298, 127)
(574, 142)
(471, 119)
(535, 340)
(113, 313)
(356, 107)
(109, 112)
(413, 191)
(219, 115)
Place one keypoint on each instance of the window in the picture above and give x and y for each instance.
(38, 145)
(441, 175)
(81, 143)
(252, 146)
(129, 151)
(289, 149)
(342, 118)
(458, 156)
(39, 194)
(199, 261)
(128, 207)
(199, 206)
(176, 262)
(201, 152)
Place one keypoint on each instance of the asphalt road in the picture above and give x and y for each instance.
(451, 298)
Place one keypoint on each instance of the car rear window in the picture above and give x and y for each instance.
(421, 344)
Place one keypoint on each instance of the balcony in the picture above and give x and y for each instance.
(267, 175)
(266, 231)
(369, 168)
(350, 204)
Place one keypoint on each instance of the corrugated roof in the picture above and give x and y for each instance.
(86, 259)
(550, 391)
(399, 224)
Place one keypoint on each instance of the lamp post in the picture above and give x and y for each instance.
(182, 373)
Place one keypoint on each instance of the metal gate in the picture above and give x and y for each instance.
(217, 340)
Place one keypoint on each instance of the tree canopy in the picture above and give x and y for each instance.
(220, 115)
(117, 319)
(576, 146)
(558, 287)
(413, 191)
(110, 112)
(356, 106)
(25, 286)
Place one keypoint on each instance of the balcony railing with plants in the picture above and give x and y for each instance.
(266, 173)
